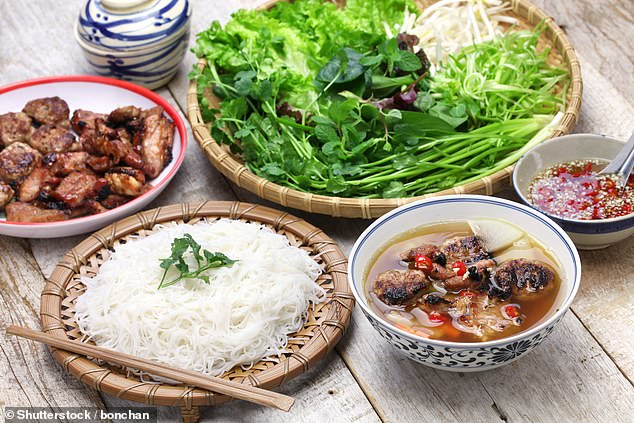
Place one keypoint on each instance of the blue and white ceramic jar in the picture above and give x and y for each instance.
(141, 41)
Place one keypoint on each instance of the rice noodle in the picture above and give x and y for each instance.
(244, 314)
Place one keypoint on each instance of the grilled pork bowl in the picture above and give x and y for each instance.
(464, 283)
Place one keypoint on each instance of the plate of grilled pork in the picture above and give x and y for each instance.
(80, 152)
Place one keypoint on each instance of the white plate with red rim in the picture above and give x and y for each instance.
(102, 95)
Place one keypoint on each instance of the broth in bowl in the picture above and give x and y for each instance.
(464, 281)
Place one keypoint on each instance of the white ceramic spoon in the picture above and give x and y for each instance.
(623, 163)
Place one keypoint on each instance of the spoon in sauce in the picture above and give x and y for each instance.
(622, 164)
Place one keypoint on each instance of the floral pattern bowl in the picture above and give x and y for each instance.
(457, 356)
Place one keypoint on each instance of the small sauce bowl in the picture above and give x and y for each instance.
(586, 234)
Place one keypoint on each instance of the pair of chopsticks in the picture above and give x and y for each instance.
(244, 392)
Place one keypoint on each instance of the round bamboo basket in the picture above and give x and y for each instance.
(233, 167)
(323, 329)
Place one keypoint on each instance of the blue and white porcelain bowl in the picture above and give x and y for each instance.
(458, 356)
(586, 234)
(141, 41)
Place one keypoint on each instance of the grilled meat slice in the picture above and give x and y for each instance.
(115, 149)
(458, 283)
(15, 127)
(399, 287)
(158, 111)
(6, 194)
(158, 139)
(34, 184)
(24, 212)
(95, 207)
(521, 278)
(48, 111)
(99, 163)
(433, 302)
(477, 277)
(103, 128)
(441, 273)
(106, 142)
(83, 121)
(78, 187)
(124, 114)
(88, 207)
(474, 312)
(136, 129)
(63, 164)
(126, 181)
(428, 250)
(124, 136)
(467, 249)
(52, 139)
(17, 161)
(114, 200)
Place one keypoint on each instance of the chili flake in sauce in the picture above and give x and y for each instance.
(575, 190)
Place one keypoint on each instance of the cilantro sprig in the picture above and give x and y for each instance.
(205, 260)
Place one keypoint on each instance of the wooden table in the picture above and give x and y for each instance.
(583, 372)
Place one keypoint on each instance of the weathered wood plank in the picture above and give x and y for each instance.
(325, 393)
(604, 302)
(37, 40)
(604, 108)
(28, 374)
(567, 378)
(321, 394)
(602, 31)
(569, 370)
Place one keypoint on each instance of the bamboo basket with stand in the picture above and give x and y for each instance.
(232, 167)
(324, 327)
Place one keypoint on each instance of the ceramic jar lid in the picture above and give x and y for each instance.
(131, 24)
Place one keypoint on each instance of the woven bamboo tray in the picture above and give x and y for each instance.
(233, 168)
(324, 327)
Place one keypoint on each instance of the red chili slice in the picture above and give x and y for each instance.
(561, 170)
(423, 262)
(512, 311)
(436, 317)
(459, 268)
(467, 293)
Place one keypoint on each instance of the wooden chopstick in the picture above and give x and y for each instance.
(244, 392)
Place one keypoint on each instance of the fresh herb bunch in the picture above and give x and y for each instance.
(205, 260)
(495, 81)
(319, 99)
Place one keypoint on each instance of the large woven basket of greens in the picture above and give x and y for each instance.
(354, 109)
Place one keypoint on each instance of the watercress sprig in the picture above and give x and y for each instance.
(205, 260)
